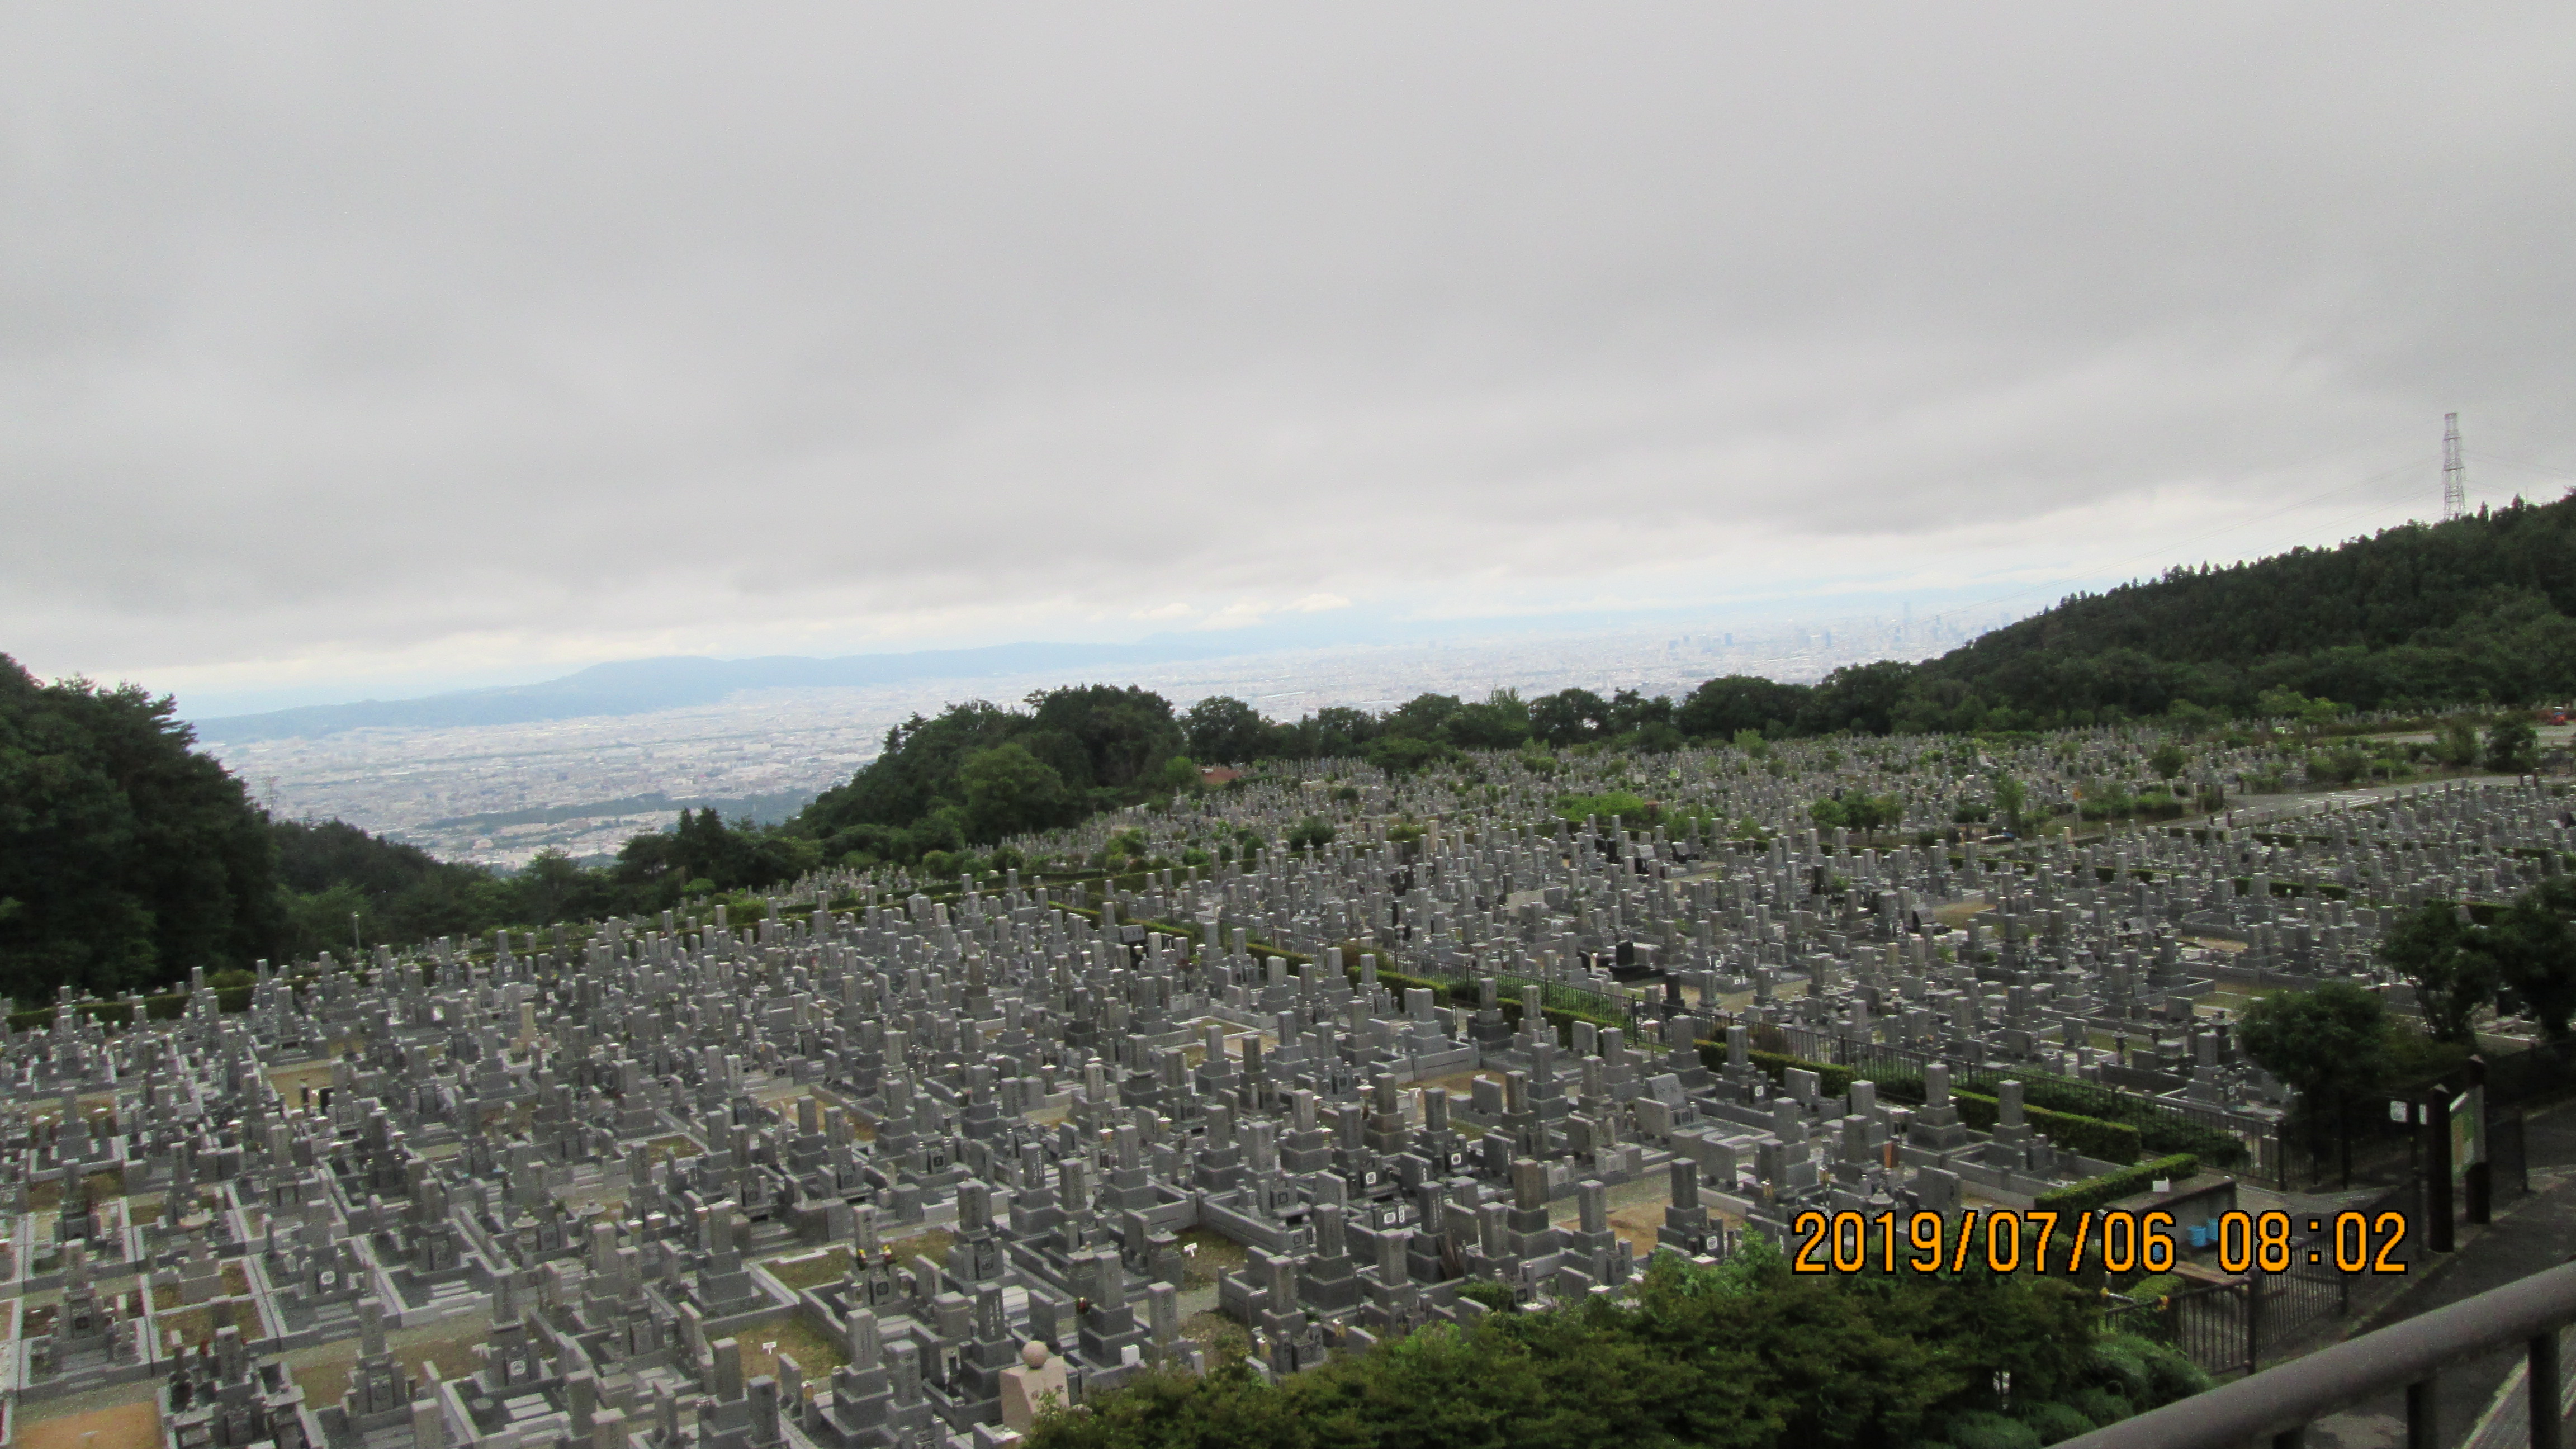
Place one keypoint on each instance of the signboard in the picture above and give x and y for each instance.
(2468, 1131)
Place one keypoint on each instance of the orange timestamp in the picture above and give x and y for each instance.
(2119, 1241)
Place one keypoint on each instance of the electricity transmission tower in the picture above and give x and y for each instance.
(2455, 479)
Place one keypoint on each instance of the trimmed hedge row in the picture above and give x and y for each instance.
(2091, 1136)
(2102, 1141)
(169, 1006)
(2110, 1187)
(2159, 1131)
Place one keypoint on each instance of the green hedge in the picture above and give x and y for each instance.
(116, 1013)
(2110, 1187)
(2091, 1136)
(2102, 1141)
(2159, 1131)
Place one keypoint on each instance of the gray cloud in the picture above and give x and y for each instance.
(452, 338)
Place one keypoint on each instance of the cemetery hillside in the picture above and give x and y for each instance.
(1579, 1069)
(125, 857)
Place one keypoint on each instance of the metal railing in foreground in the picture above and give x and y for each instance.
(2279, 1403)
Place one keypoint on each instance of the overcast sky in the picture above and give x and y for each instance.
(380, 343)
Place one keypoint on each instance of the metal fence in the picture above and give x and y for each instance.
(2267, 1154)
(2277, 1405)
(2232, 1327)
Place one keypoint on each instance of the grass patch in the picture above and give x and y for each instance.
(47, 1196)
(797, 1274)
(323, 1383)
(165, 1291)
(1224, 1339)
(933, 1244)
(1216, 1254)
(453, 1353)
(815, 1355)
(193, 1326)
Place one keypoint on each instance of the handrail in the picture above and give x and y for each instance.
(2278, 1403)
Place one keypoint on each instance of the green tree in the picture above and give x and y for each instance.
(2535, 951)
(1498, 722)
(1404, 754)
(1311, 833)
(2513, 747)
(1224, 730)
(2168, 760)
(131, 857)
(2458, 746)
(1122, 733)
(2011, 797)
(1726, 706)
(1631, 711)
(1010, 792)
(2448, 960)
(1422, 717)
(2330, 1044)
(1569, 716)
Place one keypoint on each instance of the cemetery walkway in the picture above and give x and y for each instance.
(2535, 1233)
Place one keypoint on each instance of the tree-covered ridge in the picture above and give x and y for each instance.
(2374, 593)
(2473, 610)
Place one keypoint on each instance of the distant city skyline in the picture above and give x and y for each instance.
(426, 786)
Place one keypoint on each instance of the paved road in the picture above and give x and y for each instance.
(2535, 1233)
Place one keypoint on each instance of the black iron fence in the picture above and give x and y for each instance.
(2277, 1404)
(2234, 1325)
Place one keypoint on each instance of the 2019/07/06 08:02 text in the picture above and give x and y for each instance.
(2120, 1241)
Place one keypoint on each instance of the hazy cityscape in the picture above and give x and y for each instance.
(498, 795)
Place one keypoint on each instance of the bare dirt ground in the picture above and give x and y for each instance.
(124, 1426)
(291, 1081)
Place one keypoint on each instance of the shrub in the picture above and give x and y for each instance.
(2100, 1405)
(2119, 1368)
(2170, 1375)
(2055, 1422)
(1986, 1430)
(2110, 1187)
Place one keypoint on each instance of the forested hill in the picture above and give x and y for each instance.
(2374, 592)
(2475, 609)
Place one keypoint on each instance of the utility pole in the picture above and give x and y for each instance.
(2455, 478)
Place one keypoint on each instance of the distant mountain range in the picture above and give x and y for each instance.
(764, 809)
(641, 686)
